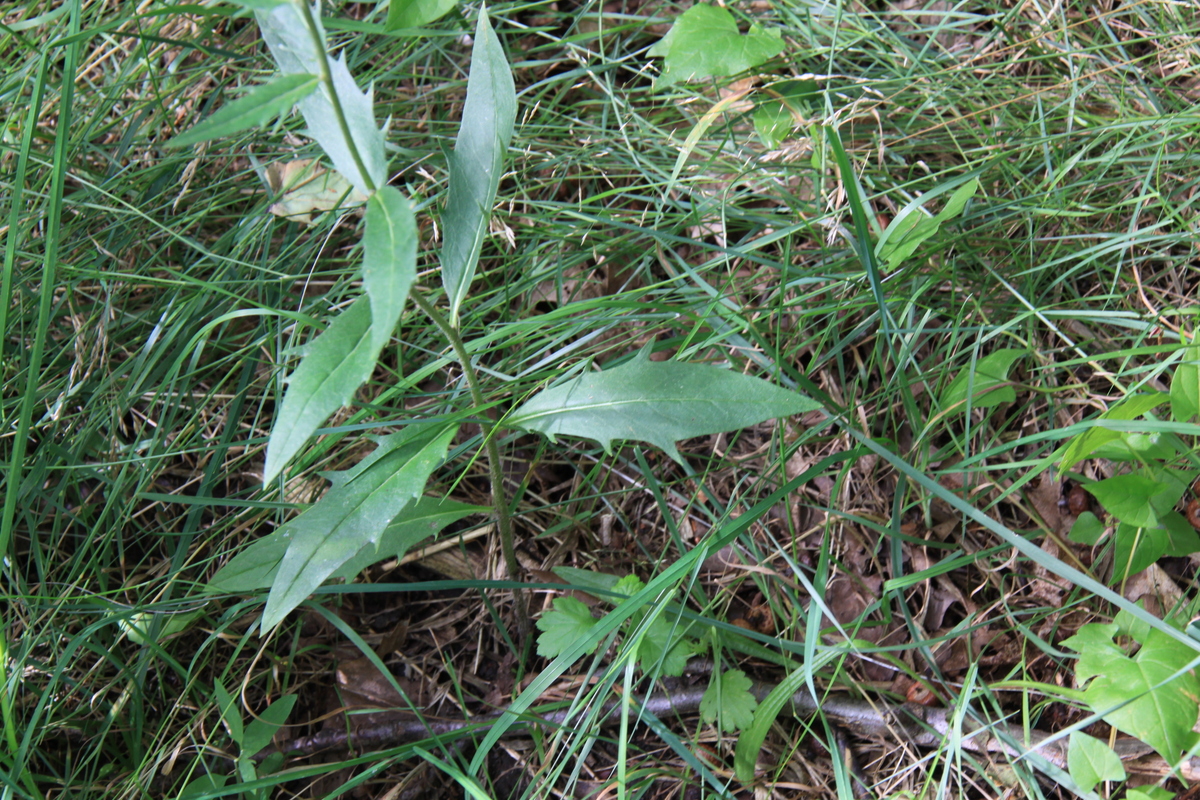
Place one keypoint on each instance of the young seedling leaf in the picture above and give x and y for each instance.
(1136, 548)
(306, 188)
(704, 42)
(231, 714)
(779, 108)
(415, 13)
(299, 49)
(727, 700)
(254, 109)
(330, 533)
(587, 579)
(260, 5)
(1127, 693)
(475, 168)
(657, 402)
(1087, 529)
(913, 226)
(1134, 498)
(389, 260)
(336, 363)
(1182, 539)
(1185, 387)
(1150, 793)
(988, 382)
(1085, 443)
(260, 732)
(570, 620)
(1091, 761)
(749, 744)
(255, 567)
(663, 649)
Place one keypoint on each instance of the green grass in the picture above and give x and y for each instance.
(151, 299)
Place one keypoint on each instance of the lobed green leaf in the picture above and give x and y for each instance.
(704, 42)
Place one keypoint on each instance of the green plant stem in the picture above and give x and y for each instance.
(495, 467)
(326, 77)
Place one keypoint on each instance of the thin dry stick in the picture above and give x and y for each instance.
(918, 725)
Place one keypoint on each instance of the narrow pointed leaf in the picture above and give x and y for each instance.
(255, 567)
(1086, 443)
(475, 168)
(255, 108)
(988, 381)
(1185, 387)
(414, 13)
(333, 531)
(656, 402)
(389, 260)
(297, 49)
(335, 364)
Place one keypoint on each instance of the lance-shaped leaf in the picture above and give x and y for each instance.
(389, 260)
(256, 566)
(475, 168)
(335, 364)
(414, 13)
(657, 402)
(354, 514)
(299, 49)
(257, 107)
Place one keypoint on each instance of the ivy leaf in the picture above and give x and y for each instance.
(704, 43)
(563, 627)
(489, 113)
(354, 515)
(727, 700)
(1085, 443)
(1091, 761)
(987, 381)
(1161, 716)
(253, 109)
(656, 402)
